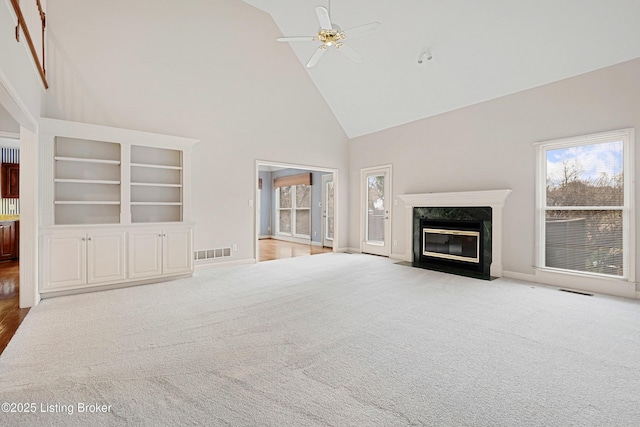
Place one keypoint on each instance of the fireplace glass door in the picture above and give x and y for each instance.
(458, 245)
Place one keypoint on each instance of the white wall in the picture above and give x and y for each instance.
(209, 70)
(17, 69)
(489, 146)
(7, 123)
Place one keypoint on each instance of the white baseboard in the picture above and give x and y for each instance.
(398, 257)
(578, 282)
(519, 276)
(209, 265)
(108, 287)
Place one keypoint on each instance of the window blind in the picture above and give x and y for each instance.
(286, 181)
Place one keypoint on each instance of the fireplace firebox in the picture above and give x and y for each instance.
(453, 240)
(451, 244)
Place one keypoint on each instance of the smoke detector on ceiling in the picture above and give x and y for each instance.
(425, 54)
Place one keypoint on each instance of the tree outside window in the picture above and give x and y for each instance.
(585, 210)
(294, 210)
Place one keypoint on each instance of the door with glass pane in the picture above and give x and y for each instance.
(376, 188)
(328, 211)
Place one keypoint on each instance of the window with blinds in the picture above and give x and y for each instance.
(585, 196)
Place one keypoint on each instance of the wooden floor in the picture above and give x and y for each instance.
(270, 249)
(11, 315)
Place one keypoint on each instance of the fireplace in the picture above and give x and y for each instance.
(469, 212)
(453, 240)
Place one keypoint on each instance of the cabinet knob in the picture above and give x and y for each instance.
(90, 238)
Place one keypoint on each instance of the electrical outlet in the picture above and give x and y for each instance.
(315, 233)
(395, 242)
(234, 247)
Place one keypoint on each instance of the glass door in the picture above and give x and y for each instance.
(328, 211)
(377, 231)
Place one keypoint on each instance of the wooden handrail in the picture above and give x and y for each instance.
(43, 20)
(22, 23)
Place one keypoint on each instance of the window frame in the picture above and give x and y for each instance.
(627, 136)
(293, 209)
(279, 209)
(296, 209)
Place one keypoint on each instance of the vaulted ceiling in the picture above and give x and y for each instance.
(481, 50)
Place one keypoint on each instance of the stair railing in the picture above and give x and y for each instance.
(22, 25)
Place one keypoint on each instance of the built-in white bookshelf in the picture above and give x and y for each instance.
(87, 181)
(114, 206)
(156, 184)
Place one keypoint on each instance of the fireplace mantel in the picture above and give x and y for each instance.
(494, 199)
(491, 198)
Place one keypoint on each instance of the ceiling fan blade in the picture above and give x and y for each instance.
(316, 56)
(296, 39)
(362, 29)
(350, 53)
(323, 18)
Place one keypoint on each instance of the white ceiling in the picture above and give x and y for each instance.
(482, 49)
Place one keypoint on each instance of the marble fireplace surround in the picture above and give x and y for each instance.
(491, 198)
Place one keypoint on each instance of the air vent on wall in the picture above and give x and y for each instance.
(212, 253)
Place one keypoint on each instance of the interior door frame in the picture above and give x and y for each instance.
(388, 204)
(28, 242)
(325, 180)
(256, 219)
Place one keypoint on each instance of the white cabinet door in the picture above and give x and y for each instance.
(145, 253)
(64, 261)
(156, 252)
(177, 251)
(105, 257)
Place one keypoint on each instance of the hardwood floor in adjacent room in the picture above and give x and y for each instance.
(11, 315)
(271, 249)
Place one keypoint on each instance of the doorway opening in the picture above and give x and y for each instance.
(11, 315)
(295, 211)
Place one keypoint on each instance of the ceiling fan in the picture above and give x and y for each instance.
(331, 35)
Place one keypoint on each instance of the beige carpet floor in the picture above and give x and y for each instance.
(328, 340)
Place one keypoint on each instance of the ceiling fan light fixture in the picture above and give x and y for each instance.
(332, 35)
